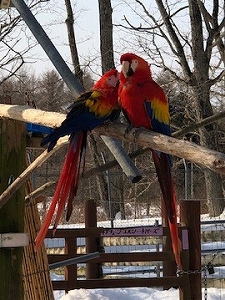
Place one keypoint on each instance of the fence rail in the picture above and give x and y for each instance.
(188, 281)
(70, 237)
(96, 235)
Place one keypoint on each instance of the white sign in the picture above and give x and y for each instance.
(12, 240)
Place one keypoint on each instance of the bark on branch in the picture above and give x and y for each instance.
(200, 155)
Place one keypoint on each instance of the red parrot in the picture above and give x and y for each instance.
(91, 109)
(144, 104)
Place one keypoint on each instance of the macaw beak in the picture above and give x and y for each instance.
(127, 69)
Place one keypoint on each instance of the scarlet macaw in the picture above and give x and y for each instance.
(144, 103)
(91, 109)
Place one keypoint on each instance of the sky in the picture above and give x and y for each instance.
(86, 14)
(86, 31)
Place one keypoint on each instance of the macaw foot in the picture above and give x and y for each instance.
(137, 132)
(128, 130)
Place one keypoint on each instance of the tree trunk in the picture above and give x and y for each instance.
(106, 35)
(208, 138)
(201, 92)
(72, 42)
(107, 59)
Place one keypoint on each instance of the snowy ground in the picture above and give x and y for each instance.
(144, 293)
(132, 294)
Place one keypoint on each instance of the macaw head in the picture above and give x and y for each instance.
(133, 64)
(109, 80)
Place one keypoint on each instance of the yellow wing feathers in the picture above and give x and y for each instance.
(160, 110)
(98, 105)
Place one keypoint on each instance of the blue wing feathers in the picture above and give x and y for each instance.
(160, 127)
(78, 119)
(157, 125)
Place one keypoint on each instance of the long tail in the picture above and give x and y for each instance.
(163, 168)
(66, 187)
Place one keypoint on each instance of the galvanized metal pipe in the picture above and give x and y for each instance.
(75, 260)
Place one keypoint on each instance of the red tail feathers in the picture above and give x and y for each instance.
(162, 165)
(66, 187)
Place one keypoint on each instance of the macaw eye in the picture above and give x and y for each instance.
(112, 80)
(134, 64)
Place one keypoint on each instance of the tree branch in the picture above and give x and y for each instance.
(200, 124)
(176, 41)
(33, 197)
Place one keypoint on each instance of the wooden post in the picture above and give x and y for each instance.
(92, 243)
(12, 163)
(37, 281)
(71, 270)
(190, 217)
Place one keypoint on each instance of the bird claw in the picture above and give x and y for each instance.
(137, 132)
(128, 130)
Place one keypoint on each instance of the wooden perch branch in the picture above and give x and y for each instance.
(195, 126)
(36, 116)
(41, 191)
(184, 149)
(53, 119)
(87, 174)
(202, 156)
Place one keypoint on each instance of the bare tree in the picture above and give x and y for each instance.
(13, 34)
(72, 41)
(51, 92)
(191, 33)
(107, 60)
(106, 35)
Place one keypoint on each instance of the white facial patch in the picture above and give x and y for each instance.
(112, 80)
(134, 64)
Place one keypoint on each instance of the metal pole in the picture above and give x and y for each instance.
(121, 156)
(75, 260)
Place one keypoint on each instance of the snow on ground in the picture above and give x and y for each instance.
(132, 294)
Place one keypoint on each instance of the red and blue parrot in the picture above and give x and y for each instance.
(92, 109)
(144, 104)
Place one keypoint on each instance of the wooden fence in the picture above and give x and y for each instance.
(94, 236)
